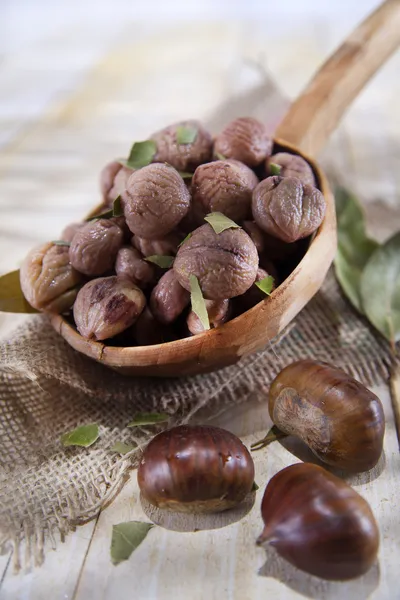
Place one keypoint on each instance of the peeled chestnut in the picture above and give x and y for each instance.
(340, 420)
(195, 469)
(319, 523)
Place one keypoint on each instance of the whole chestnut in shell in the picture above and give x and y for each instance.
(339, 419)
(225, 264)
(195, 469)
(319, 523)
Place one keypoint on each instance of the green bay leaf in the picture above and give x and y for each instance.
(198, 303)
(220, 156)
(141, 154)
(83, 436)
(148, 419)
(380, 289)
(266, 284)
(122, 448)
(163, 261)
(354, 246)
(220, 222)
(60, 243)
(186, 134)
(12, 299)
(126, 537)
(185, 174)
(117, 207)
(189, 235)
(274, 169)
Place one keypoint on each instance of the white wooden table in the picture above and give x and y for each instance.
(70, 83)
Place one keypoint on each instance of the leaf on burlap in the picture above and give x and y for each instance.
(122, 448)
(380, 289)
(126, 537)
(83, 436)
(148, 419)
(354, 246)
(12, 299)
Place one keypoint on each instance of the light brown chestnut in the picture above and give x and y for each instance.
(166, 246)
(288, 209)
(224, 186)
(292, 165)
(319, 523)
(130, 264)
(341, 421)
(195, 469)
(183, 156)
(218, 314)
(244, 139)
(69, 231)
(106, 306)
(113, 180)
(94, 247)
(225, 264)
(155, 200)
(168, 298)
(48, 280)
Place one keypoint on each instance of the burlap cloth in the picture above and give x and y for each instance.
(46, 388)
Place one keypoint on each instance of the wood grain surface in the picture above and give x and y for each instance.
(77, 94)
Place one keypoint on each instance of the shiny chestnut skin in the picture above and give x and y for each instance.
(319, 523)
(341, 421)
(195, 469)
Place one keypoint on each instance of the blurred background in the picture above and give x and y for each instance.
(81, 80)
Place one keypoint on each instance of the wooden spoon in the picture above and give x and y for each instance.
(304, 130)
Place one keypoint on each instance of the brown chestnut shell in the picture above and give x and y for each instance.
(341, 421)
(195, 469)
(319, 523)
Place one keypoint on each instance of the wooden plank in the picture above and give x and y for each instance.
(57, 577)
(224, 562)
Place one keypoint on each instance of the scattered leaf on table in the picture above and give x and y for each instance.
(148, 419)
(189, 235)
(60, 243)
(220, 156)
(255, 487)
(84, 436)
(126, 537)
(220, 222)
(380, 289)
(122, 448)
(141, 154)
(12, 299)
(163, 261)
(354, 246)
(186, 135)
(273, 435)
(275, 169)
(197, 301)
(266, 284)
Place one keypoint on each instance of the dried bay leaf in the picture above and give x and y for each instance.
(354, 246)
(266, 284)
(185, 174)
(141, 154)
(83, 436)
(126, 537)
(197, 301)
(122, 448)
(60, 243)
(220, 156)
(142, 419)
(186, 135)
(219, 222)
(12, 299)
(380, 289)
(115, 211)
(163, 261)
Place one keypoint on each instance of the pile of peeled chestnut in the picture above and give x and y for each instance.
(129, 269)
(313, 518)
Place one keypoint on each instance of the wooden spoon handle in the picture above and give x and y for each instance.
(315, 114)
